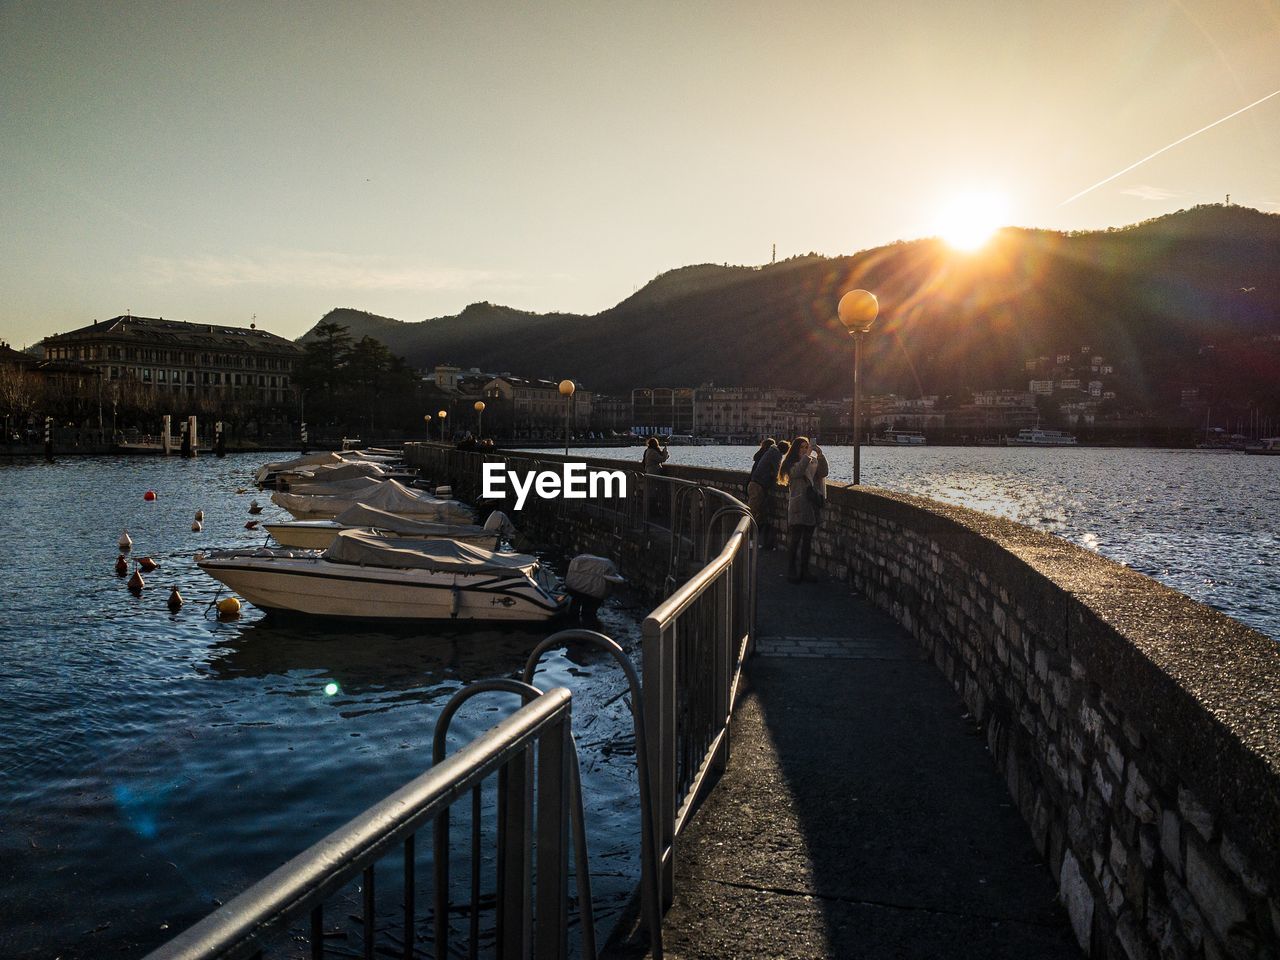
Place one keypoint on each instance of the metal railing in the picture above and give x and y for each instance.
(694, 646)
(531, 752)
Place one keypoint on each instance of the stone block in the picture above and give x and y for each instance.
(1115, 756)
(1236, 860)
(1190, 922)
(1148, 845)
(1195, 813)
(1073, 889)
(1220, 901)
(1129, 933)
(1118, 857)
(1102, 783)
(1137, 796)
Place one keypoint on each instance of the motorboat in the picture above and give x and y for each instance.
(319, 534)
(268, 472)
(1036, 437)
(1267, 447)
(366, 577)
(898, 438)
(389, 495)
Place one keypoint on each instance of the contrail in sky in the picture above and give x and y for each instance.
(1169, 147)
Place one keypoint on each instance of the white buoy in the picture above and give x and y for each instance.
(196, 526)
(126, 542)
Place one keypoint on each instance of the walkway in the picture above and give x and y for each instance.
(860, 815)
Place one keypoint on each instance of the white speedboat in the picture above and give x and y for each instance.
(268, 472)
(1035, 437)
(366, 577)
(389, 495)
(319, 534)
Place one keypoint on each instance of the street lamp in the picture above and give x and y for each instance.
(566, 391)
(426, 419)
(442, 414)
(857, 310)
(479, 419)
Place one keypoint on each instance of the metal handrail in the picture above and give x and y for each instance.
(650, 894)
(702, 634)
(239, 928)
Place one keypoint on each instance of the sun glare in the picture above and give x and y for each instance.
(970, 219)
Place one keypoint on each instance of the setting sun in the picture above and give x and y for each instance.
(969, 219)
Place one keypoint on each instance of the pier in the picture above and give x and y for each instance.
(971, 736)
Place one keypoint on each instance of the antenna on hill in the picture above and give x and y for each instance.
(774, 257)
(1228, 199)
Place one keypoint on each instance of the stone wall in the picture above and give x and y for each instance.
(1138, 731)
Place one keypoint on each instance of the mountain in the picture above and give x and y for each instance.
(1189, 299)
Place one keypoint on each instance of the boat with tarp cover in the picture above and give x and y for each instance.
(389, 495)
(318, 534)
(367, 577)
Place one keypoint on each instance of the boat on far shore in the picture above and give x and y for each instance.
(897, 438)
(1267, 447)
(1037, 437)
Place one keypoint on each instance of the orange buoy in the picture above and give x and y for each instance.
(200, 515)
(122, 567)
(149, 496)
(251, 525)
(147, 564)
(175, 600)
(196, 526)
(136, 583)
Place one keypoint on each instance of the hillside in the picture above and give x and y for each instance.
(1176, 301)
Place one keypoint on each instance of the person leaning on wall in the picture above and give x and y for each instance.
(764, 475)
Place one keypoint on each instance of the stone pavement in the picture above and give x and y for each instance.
(860, 815)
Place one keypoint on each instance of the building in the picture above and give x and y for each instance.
(611, 414)
(526, 407)
(199, 363)
(750, 413)
(662, 410)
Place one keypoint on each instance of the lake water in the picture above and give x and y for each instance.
(153, 765)
(1204, 522)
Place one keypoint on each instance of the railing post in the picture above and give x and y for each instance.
(552, 929)
(513, 907)
(659, 712)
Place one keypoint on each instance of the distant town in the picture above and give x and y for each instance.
(112, 382)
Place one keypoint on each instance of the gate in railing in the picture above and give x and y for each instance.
(694, 646)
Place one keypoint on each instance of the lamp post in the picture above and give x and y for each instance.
(442, 414)
(857, 310)
(479, 419)
(566, 391)
(426, 419)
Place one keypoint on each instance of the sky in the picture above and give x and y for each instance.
(235, 162)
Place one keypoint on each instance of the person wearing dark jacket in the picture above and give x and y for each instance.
(764, 476)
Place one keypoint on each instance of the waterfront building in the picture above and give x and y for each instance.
(662, 410)
(529, 407)
(205, 365)
(749, 413)
(611, 414)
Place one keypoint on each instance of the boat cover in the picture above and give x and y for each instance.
(390, 495)
(349, 487)
(329, 472)
(298, 463)
(441, 556)
(363, 515)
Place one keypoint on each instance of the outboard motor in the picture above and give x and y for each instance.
(500, 524)
(588, 583)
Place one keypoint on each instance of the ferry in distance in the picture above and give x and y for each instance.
(1036, 437)
(898, 438)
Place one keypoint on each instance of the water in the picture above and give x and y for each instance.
(153, 765)
(1204, 522)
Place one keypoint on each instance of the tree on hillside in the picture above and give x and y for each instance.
(320, 372)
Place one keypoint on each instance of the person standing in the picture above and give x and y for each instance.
(764, 475)
(654, 457)
(800, 472)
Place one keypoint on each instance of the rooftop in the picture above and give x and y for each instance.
(159, 330)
